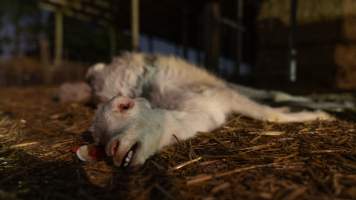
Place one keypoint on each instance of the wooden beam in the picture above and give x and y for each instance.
(82, 10)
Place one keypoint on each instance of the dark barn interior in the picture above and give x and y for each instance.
(302, 50)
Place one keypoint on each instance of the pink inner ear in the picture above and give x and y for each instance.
(126, 106)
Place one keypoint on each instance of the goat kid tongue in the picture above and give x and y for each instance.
(90, 153)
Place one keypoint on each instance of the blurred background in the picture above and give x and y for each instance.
(306, 45)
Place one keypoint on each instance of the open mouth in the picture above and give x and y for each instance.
(129, 155)
(123, 158)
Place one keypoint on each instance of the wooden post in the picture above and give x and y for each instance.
(135, 24)
(212, 35)
(177, 49)
(184, 32)
(292, 48)
(113, 41)
(150, 41)
(44, 50)
(58, 38)
(239, 34)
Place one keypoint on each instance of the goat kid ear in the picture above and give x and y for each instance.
(99, 99)
(125, 106)
(93, 70)
(103, 99)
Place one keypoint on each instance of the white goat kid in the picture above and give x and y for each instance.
(153, 100)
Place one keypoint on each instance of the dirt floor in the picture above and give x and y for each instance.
(244, 159)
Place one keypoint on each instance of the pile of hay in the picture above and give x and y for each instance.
(244, 159)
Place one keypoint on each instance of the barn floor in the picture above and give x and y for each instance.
(244, 159)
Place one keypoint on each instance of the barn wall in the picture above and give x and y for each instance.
(326, 43)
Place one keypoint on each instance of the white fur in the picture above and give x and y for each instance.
(185, 99)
